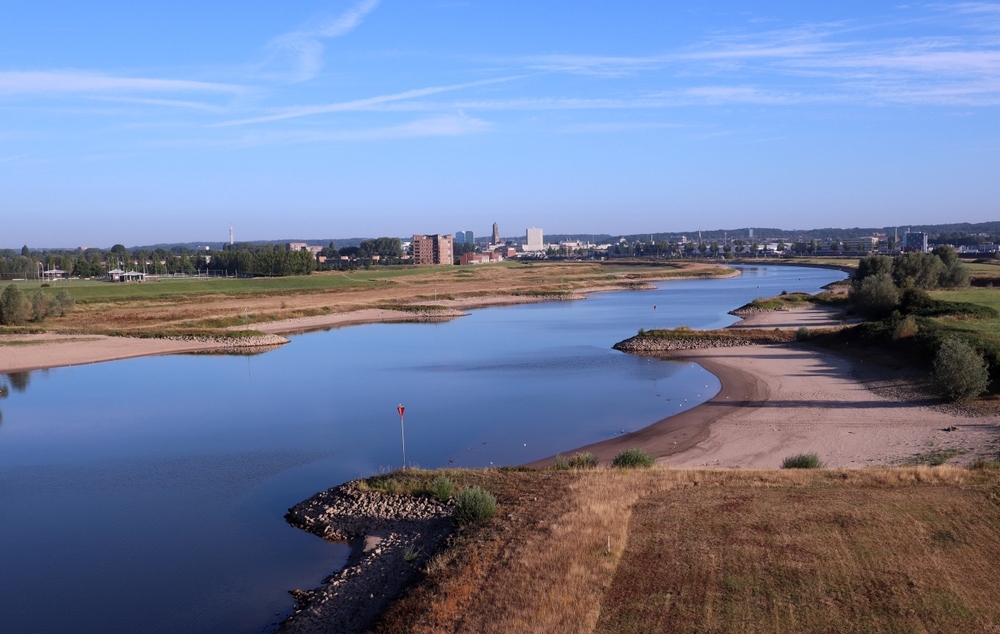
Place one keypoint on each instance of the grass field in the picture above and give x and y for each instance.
(990, 297)
(909, 549)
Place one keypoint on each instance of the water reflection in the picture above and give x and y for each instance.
(17, 381)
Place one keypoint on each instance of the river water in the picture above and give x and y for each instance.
(148, 494)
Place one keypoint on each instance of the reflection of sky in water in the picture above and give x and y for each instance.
(148, 494)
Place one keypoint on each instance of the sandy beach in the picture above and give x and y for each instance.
(19, 353)
(784, 399)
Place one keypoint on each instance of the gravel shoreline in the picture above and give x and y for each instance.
(385, 531)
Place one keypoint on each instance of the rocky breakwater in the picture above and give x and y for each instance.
(749, 309)
(391, 536)
(659, 341)
(250, 340)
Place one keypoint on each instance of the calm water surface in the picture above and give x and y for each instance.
(148, 494)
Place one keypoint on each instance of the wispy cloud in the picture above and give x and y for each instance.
(167, 103)
(40, 82)
(442, 126)
(363, 104)
(298, 55)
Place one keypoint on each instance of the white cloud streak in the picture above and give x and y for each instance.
(298, 55)
(363, 104)
(42, 82)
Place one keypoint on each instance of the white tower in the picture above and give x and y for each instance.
(230, 234)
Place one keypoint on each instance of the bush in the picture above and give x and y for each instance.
(875, 296)
(959, 371)
(802, 461)
(802, 333)
(15, 308)
(907, 327)
(474, 504)
(560, 463)
(633, 457)
(583, 460)
(64, 303)
(442, 488)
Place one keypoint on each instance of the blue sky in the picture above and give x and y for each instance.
(142, 122)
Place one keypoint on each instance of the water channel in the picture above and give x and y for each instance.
(148, 494)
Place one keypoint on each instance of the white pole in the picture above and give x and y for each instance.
(402, 433)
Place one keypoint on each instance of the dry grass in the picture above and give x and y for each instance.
(894, 549)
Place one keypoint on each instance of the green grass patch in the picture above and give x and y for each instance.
(633, 458)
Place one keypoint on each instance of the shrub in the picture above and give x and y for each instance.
(907, 327)
(633, 457)
(802, 333)
(442, 488)
(64, 303)
(875, 296)
(40, 305)
(802, 461)
(959, 371)
(474, 504)
(14, 306)
(561, 463)
(641, 332)
(583, 460)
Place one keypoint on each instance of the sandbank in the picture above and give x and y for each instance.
(779, 400)
(19, 353)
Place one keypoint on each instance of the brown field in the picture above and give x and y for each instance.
(159, 308)
(873, 550)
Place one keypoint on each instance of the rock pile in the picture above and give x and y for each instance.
(249, 341)
(384, 531)
(652, 345)
(749, 309)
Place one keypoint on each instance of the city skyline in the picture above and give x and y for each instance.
(163, 122)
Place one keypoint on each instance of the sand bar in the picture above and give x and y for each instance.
(784, 399)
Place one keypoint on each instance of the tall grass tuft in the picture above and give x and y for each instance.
(583, 460)
(802, 461)
(560, 463)
(442, 488)
(474, 504)
(633, 457)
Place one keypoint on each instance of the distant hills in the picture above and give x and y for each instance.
(990, 231)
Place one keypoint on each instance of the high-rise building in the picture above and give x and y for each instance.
(915, 241)
(534, 241)
(465, 237)
(496, 233)
(433, 249)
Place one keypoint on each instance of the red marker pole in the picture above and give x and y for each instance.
(402, 432)
(654, 316)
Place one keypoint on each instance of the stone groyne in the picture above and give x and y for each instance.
(256, 340)
(391, 537)
(653, 345)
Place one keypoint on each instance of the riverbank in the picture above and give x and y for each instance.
(20, 353)
(783, 399)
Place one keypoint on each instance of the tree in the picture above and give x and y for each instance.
(14, 306)
(955, 274)
(25, 251)
(918, 270)
(873, 265)
(959, 371)
(875, 296)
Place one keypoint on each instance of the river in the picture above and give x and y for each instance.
(148, 494)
